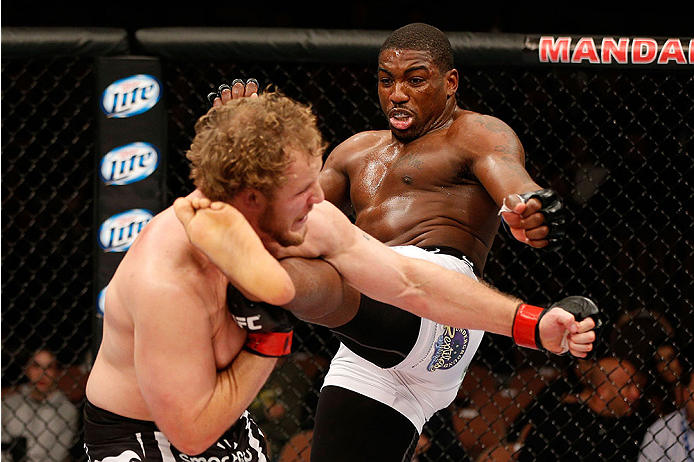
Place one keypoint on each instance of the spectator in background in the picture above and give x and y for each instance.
(671, 438)
(647, 339)
(599, 422)
(439, 440)
(39, 423)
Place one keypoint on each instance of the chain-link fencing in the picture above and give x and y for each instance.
(614, 142)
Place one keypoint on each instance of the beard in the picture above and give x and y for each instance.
(405, 137)
(278, 230)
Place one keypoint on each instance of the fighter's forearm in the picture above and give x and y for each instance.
(454, 299)
(234, 390)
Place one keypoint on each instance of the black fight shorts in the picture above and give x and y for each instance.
(109, 436)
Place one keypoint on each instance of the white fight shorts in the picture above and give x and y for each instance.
(428, 379)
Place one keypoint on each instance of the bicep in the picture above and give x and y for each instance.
(498, 160)
(173, 355)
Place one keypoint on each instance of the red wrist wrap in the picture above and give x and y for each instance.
(273, 344)
(524, 323)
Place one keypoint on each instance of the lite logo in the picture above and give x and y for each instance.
(101, 302)
(128, 164)
(117, 233)
(131, 96)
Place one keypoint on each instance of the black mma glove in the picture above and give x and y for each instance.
(553, 211)
(526, 322)
(269, 327)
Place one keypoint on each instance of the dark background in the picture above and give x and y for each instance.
(666, 19)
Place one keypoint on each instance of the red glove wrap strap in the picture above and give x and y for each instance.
(272, 344)
(524, 323)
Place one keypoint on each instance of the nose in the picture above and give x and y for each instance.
(317, 194)
(399, 95)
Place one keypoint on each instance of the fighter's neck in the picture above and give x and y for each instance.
(447, 116)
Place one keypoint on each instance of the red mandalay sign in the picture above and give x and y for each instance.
(615, 51)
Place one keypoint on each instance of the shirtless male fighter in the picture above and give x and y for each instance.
(431, 187)
(171, 378)
(433, 184)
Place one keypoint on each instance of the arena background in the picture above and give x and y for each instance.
(615, 141)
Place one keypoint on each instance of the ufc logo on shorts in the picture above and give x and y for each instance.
(248, 322)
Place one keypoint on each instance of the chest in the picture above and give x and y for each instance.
(397, 170)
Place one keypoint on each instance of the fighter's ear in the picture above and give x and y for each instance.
(252, 199)
(451, 82)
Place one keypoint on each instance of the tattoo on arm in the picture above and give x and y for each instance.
(513, 164)
(493, 125)
(506, 149)
(511, 158)
(507, 145)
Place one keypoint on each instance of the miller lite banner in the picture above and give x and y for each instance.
(130, 161)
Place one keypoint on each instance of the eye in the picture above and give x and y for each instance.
(385, 81)
(417, 81)
(305, 190)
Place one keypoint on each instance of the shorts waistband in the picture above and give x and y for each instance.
(100, 423)
(454, 253)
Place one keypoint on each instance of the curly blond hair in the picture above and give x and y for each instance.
(244, 144)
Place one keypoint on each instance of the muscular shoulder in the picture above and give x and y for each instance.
(365, 140)
(481, 134)
(161, 261)
(357, 145)
(481, 123)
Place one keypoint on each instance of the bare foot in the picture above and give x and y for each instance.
(185, 209)
(206, 221)
(224, 235)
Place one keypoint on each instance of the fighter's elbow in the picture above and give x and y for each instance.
(191, 448)
(186, 429)
(191, 439)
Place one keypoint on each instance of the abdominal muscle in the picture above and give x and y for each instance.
(422, 218)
